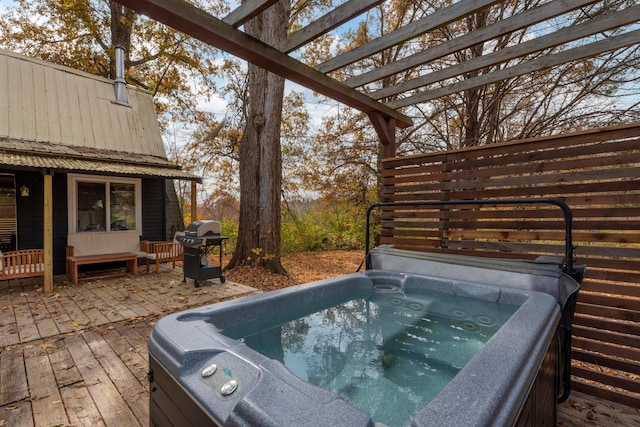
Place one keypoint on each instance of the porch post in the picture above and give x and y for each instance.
(194, 202)
(48, 232)
(385, 127)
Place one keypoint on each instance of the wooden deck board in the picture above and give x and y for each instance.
(133, 393)
(118, 301)
(74, 312)
(113, 409)
(58, 313)
(8, 325)
(13, 378)
(106, 305)
(27, 329)
(126, 298)
(17, 414)
(81, 409)
(46, 401)
(134, 358)
(44, 319)
(94, 372)
(64, 367)
(86, 304)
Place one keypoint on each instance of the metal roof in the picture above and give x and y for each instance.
(43, 155)
(59, 118)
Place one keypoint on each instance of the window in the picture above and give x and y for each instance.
(103, 204)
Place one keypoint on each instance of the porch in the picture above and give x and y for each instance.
(78, 356)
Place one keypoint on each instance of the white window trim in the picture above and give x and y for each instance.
(72, 195)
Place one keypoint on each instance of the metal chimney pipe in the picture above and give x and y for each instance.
(120, 85)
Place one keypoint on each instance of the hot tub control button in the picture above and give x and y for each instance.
(209, 370)
(229, 387)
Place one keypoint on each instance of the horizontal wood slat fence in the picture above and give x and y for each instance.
(596, 173)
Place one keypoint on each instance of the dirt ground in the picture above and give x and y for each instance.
(303, 267)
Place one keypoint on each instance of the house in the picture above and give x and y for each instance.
(79, 154)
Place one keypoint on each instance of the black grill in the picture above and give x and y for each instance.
(198, 240)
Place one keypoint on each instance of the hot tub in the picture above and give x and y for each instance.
(501, 326)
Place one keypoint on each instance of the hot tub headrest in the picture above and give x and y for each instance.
(543, 274)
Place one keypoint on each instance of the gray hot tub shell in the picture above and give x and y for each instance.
(489, 390)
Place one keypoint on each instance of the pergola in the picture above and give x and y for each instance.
(384, 104)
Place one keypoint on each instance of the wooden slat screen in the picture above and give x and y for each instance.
(596, 173)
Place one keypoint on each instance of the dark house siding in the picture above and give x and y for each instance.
(175, 220)
(60, 223)
(30, 213)
(29, 210)
(153, 209)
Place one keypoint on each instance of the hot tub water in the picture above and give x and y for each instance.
(388, 354)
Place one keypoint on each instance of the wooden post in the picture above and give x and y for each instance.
(48, 232)
(194, 201)
(386, 129)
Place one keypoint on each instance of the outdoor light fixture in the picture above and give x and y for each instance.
(24, 191)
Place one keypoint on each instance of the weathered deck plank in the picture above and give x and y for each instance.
(118, 300)
(17, 414)
(81, 409)
(90, 307)
(27, 329)
(113, 409)
(58, 314)
(76, 315)
(13, 378)
(133, 393)
(126, 298)
(134, 356)
(107, 305)
(64, 368)
(46, 401)
(44, 319)
(8, 326)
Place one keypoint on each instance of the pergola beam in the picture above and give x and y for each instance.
(516, 22)
(246, 11)
(197, 23)
(532, 66)
(326, 23)
(438, 19)
(565, 35)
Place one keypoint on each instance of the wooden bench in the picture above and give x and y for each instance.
(159, 252)
(102, 247)
(163, 252)
(20, 264)
(73, 262)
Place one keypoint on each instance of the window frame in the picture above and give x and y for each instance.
(72, 192)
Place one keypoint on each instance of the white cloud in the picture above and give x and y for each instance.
(318, 106)
(215, 105)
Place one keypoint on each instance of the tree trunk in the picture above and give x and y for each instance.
(260, 154)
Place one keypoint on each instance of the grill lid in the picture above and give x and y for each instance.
(205, 227)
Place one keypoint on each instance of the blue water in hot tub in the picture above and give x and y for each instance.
(389, 354)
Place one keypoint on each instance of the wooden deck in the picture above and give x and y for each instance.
(78, 357)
